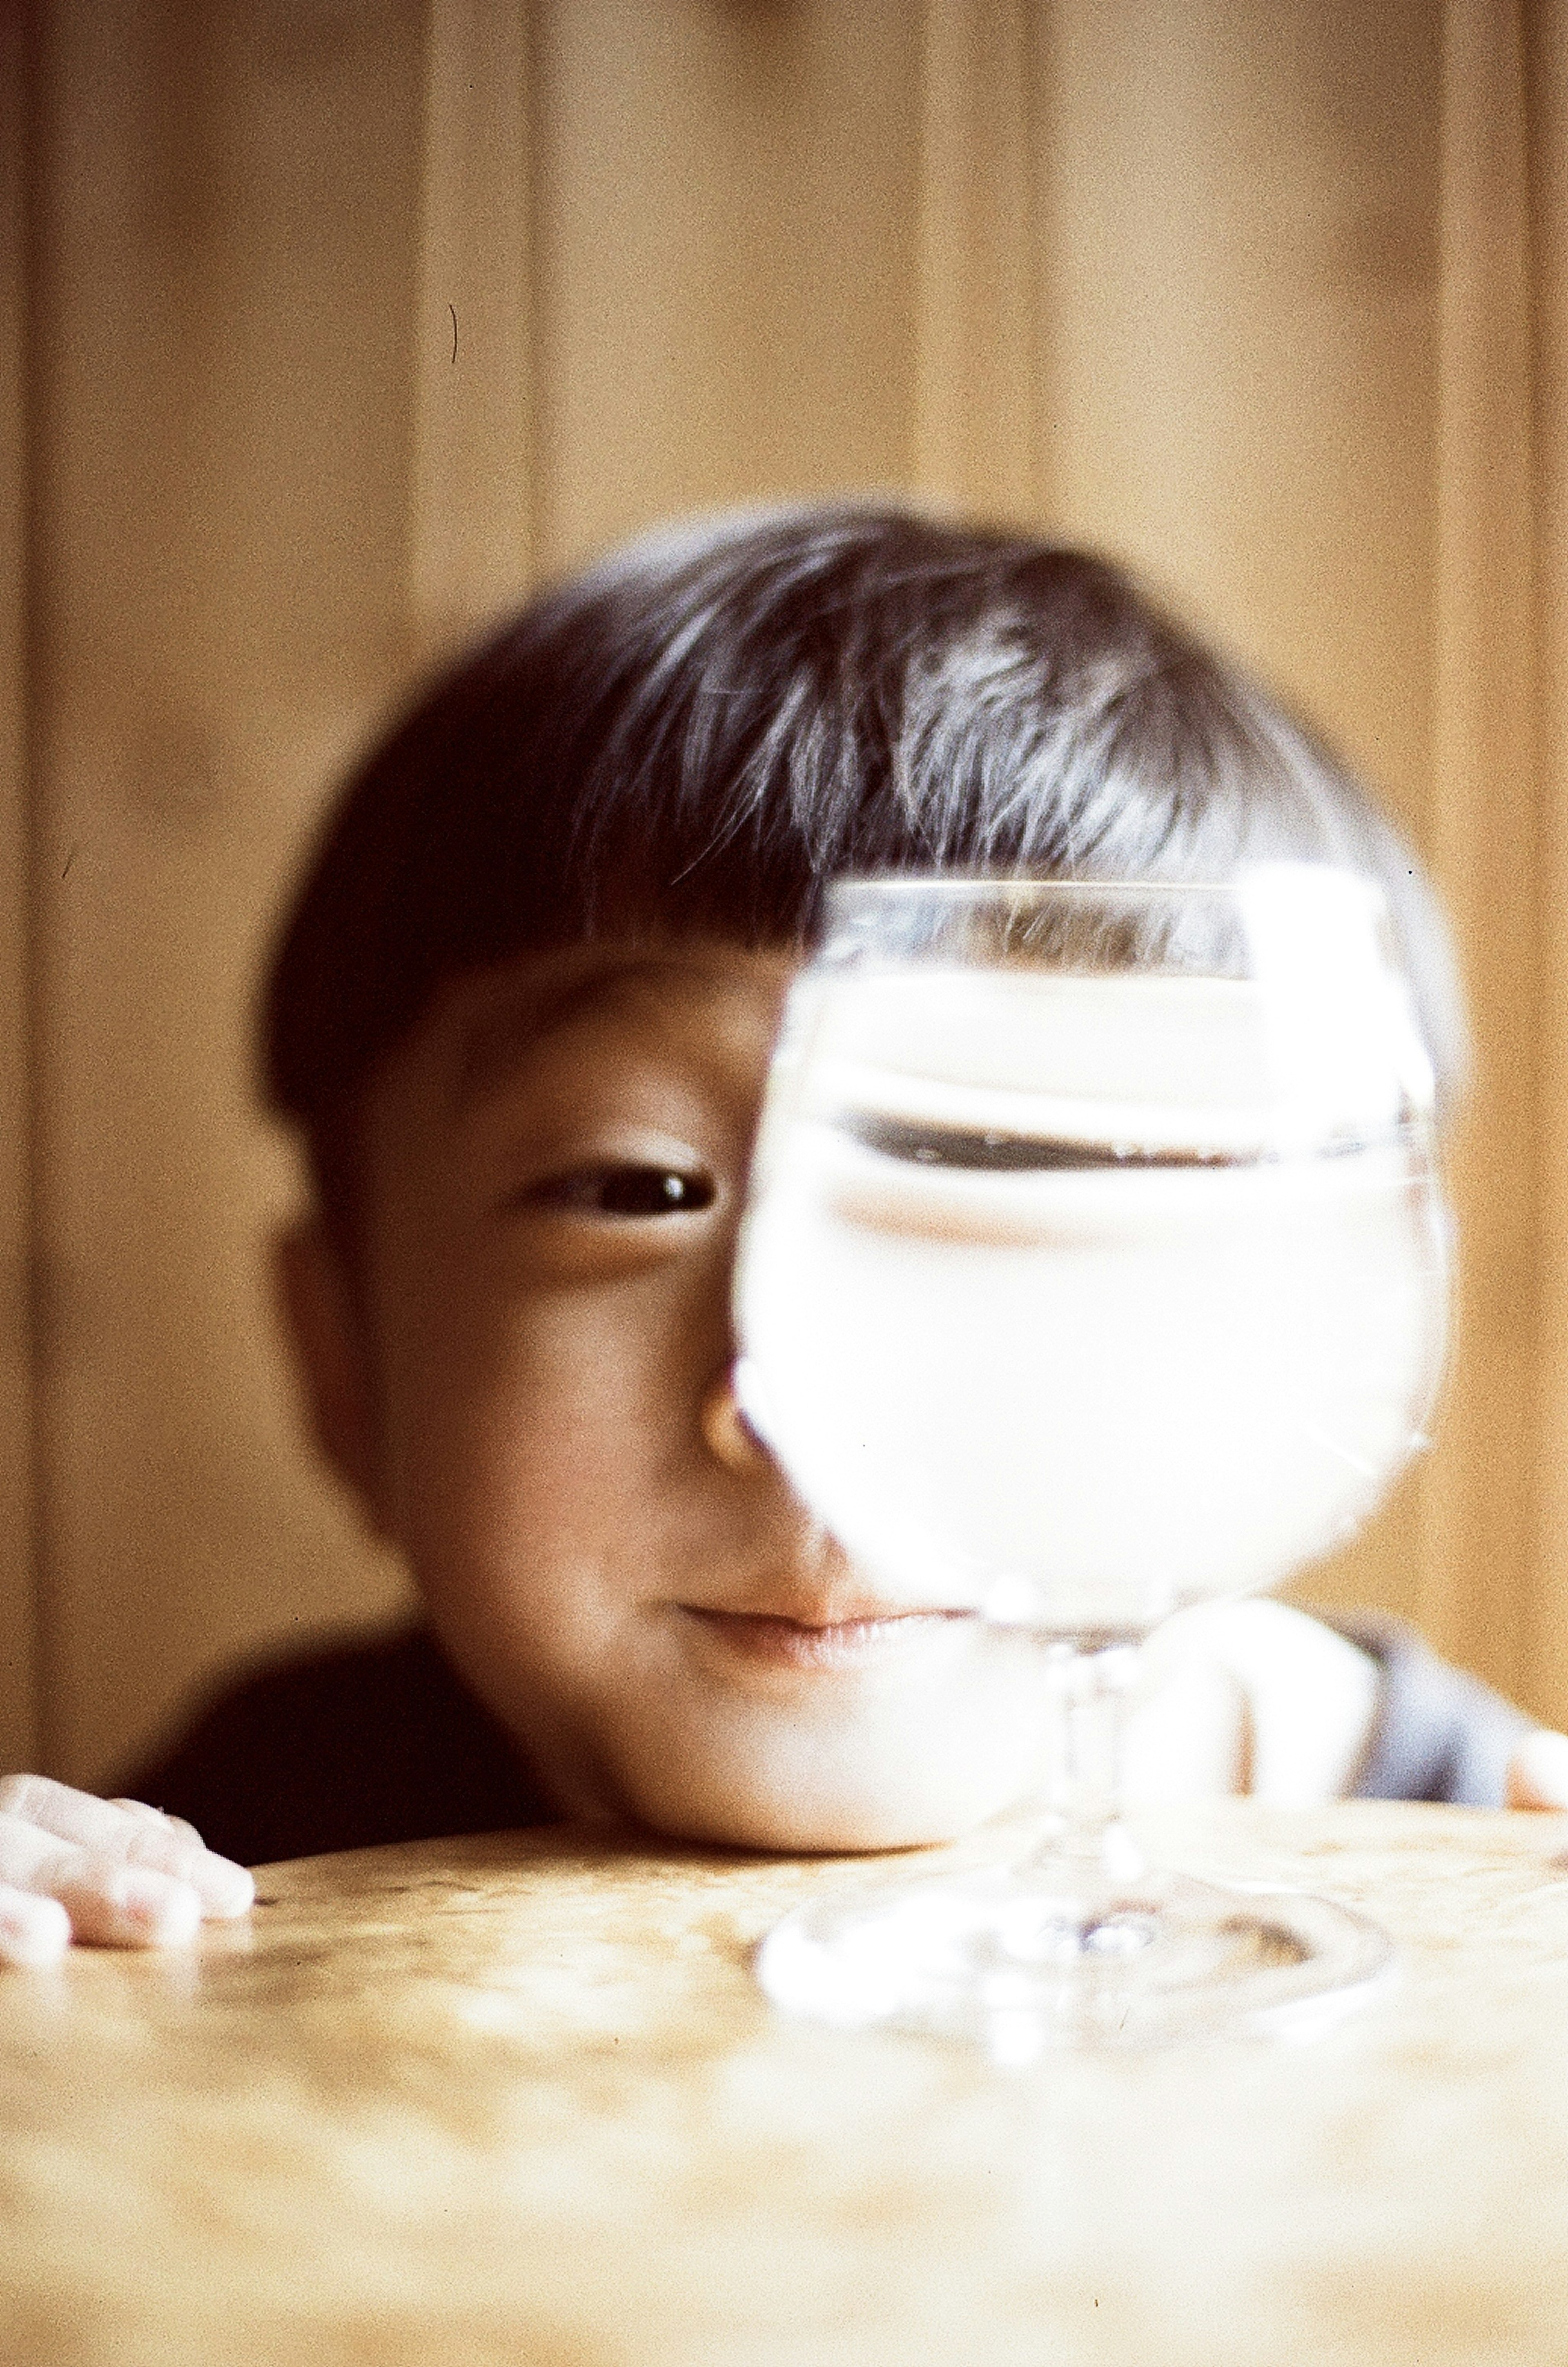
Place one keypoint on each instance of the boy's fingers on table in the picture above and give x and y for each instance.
(1538, 1773)
(117, 1905)
(126, 1831)
(108, 1899)
(224, 1889)
(158, 1816)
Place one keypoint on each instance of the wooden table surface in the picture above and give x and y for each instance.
(518, 2098)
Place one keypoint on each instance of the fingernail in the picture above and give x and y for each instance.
(155, 1906)
(227, 1889)
(38, 1933)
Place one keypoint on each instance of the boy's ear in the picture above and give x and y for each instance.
(332, 1357)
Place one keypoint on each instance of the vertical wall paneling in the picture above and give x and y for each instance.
(726, 257)
(1547, 1639)
(19, 1724)
(470, 523)
(976, 427)
(1482, 839)
(1238, 230)
(229, 202)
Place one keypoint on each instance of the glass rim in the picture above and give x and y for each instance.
(1028, 888)
(956, 883)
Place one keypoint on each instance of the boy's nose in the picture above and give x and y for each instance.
(730, 1437)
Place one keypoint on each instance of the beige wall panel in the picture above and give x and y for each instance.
(1239, 324)
(19, 1735)
(1482, 840)
(1548, 1633)
(727, 240)
(470, 524)
(978, 442)
(226, 292)
(1240, 238)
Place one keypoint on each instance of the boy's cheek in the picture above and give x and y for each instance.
(561, 1430)
(594, 1396)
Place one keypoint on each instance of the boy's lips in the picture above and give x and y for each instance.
(785, 1642)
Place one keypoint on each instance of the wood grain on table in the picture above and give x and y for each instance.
(518, 2098)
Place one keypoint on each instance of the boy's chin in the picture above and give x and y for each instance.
(825, 1811)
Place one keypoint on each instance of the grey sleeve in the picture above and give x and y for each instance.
(1440, 1735)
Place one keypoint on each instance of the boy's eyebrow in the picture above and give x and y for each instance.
(531, 1014)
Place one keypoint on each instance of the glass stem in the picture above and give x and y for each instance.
(1089, 1682)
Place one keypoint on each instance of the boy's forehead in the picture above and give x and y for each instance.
(483, 1024)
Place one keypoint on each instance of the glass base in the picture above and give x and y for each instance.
(1018, 1961)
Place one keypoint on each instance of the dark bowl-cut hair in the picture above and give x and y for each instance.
(697, 736)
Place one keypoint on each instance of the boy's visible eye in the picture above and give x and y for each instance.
(622, 1190)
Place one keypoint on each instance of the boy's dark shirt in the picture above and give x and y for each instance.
(380, 1740)
(368, 1741)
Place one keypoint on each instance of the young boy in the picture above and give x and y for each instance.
(522, 1015)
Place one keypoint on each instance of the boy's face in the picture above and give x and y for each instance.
(556, 1163)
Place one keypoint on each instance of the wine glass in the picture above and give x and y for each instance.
(1094, 1264)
